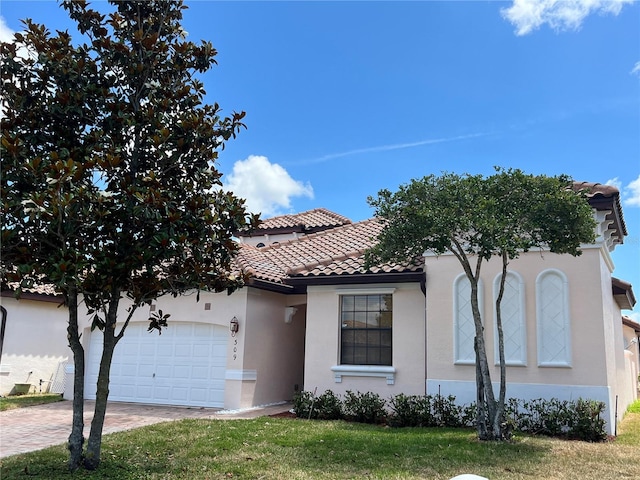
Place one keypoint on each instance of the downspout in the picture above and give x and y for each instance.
(4, 324)
(423, 289)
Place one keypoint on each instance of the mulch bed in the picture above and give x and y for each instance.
(284, 415)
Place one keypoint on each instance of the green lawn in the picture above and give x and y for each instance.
(19, 401)
(279, 448)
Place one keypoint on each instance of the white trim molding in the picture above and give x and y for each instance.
(382, 371)
(464, 327)
(553, 319)
(365, 291)
(513, 320)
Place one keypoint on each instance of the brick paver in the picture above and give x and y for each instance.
(33, 428)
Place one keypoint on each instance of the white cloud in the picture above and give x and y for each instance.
(6, 34)
(636, 69)
(631, 193)
(267, 187)
(614, 182)
(529, 15)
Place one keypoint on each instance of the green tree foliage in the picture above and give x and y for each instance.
(475, 218)
(109, 184)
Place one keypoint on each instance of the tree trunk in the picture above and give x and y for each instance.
(76, 438)
(481, 413)
(94, 445)
(499, 426)
(486, 398)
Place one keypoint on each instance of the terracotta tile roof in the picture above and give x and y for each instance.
(309, 221)
(606, 198)
(629, 322)
(42, 289)
(337, 251)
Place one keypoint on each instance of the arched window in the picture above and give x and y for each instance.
(464, 327)
(553, 320)
(514, 329)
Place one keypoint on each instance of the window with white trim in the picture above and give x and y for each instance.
(366, 329)
(512, 309)
(464, 328)
(553, 320)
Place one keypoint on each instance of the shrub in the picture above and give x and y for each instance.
(445, 411)
(323, 407)
(364, 407)
(409, 411)
(430, 411)
(328, 406)
(586, 422)
(578, 420)
(302, 403)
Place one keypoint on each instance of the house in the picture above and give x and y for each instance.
(313, 318)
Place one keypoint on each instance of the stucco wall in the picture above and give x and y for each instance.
(596, 354)
(323, 340)
(35, 343)
(588, 366)
(274, 349)
(632, 365)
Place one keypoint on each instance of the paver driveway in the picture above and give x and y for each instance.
(33, 428)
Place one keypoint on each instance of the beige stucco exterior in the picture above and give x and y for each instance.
(35, 343)
(596, 368)
(566, 338)
(322, 369)
(265, 357)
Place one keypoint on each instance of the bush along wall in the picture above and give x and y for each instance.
(572, 419)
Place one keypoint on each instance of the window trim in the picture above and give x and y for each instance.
(456, 349)
(566, 312)
(522, 361)
(381, 371)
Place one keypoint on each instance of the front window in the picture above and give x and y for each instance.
(366, 329)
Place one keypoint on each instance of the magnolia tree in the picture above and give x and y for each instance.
(475, 218)
(109, 184)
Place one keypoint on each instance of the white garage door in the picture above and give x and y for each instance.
(183, 366)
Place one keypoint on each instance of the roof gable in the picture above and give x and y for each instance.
(310, 221)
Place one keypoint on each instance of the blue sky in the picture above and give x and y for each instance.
(346, 98)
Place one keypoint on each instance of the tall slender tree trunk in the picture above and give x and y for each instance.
(76, 438)
(486, 400)
(94, 445)
(499, 426)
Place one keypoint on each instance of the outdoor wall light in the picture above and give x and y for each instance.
(289, 312)
(234, 326)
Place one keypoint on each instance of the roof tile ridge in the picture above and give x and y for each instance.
(326, 261)
(333, 214)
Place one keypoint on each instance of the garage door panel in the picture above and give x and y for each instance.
(183, 366)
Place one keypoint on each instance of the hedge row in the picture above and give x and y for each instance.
(574, 419)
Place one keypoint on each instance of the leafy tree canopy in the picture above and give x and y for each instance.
(509, 212)
(109, 184)
(475, 218)
(108, 153)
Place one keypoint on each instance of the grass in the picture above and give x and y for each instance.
(277, 448)
(20, 401)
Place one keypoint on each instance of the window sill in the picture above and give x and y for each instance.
(340, 371)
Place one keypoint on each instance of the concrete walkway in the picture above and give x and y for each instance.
(33, 428)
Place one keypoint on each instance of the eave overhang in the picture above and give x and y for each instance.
(631, 324)
(37, 297)
(623, 293)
